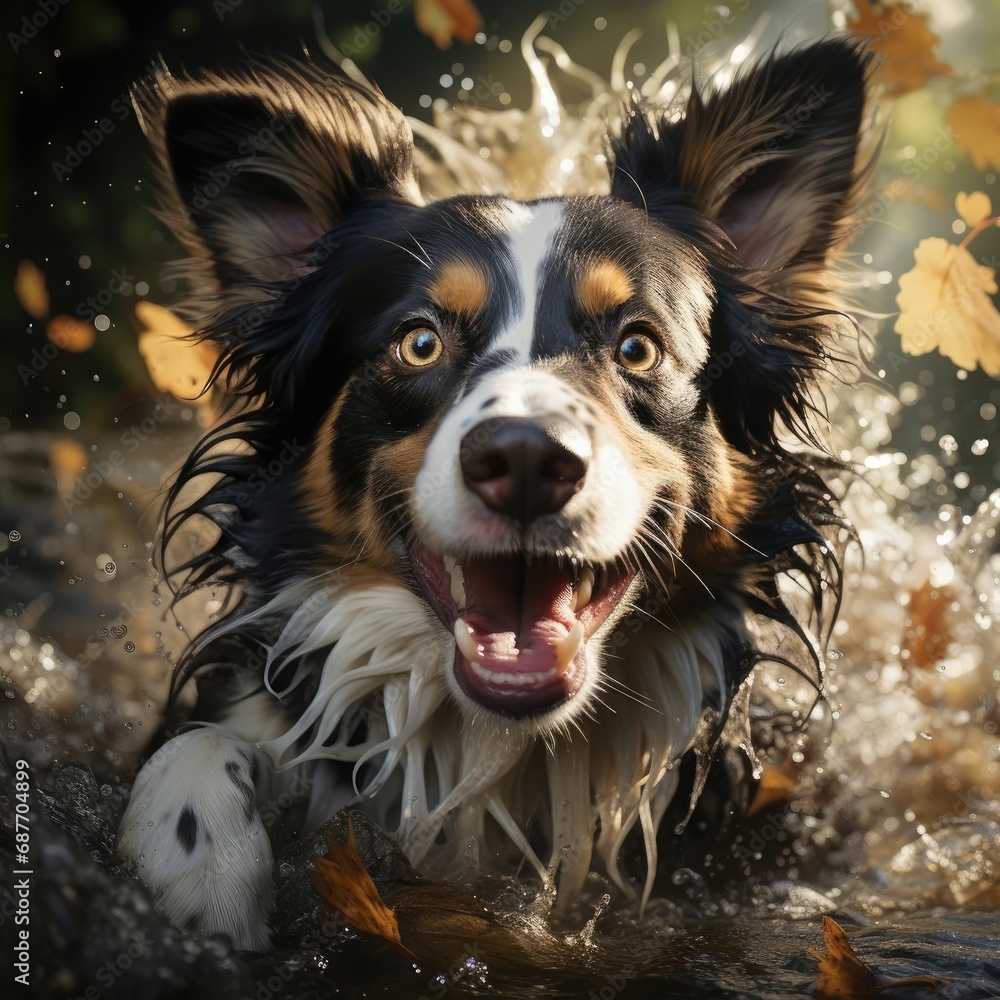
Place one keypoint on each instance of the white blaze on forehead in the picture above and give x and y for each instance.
(532, 230)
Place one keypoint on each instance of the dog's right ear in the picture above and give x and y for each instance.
(257, 167)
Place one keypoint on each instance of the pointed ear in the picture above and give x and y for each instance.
(771, 159)
(256, 167)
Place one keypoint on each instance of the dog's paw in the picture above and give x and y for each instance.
(197, 841)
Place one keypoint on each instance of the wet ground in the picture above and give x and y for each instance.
(888, 819)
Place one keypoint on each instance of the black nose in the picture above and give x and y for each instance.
(524, 468)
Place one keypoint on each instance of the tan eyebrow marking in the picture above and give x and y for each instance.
(603, 285)
(461, 287)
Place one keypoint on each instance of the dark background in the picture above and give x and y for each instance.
(76, 70)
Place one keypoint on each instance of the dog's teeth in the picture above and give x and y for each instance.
(457, 581)
(569, 647)
(584, 590)
(466, 644)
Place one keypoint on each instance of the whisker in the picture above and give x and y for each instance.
(416, 257)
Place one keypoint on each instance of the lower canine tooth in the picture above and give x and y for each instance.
(569, 647)
(584, 590)
(466, 644)
(457, 580)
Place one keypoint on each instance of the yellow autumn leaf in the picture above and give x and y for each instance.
(973, 208)
(176, 363)
(343, 881)
(902, 38)
(944, 304)
(29, 287)
(443, 20)
(975, 124)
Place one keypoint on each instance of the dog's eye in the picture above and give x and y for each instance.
(419, 348)
(637, 352)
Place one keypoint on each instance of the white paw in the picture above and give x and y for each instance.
(197, 841)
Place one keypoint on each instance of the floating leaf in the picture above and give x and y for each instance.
(443, 20)
(944, 303)
(928, 627)
(69, 334)
(903, 39)
(973, 208)
(774, 786)
(975, 125)
(176, 363)
(841, 973)
(343, 881)
(29, 287)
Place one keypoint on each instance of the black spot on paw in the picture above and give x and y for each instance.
(187, 829)
(246, 789)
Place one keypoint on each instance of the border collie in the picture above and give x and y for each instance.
(503, 492)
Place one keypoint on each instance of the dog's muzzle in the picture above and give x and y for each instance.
(521, 619)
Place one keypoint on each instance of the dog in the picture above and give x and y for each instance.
(503, 493)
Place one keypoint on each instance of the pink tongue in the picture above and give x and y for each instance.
(517, 614)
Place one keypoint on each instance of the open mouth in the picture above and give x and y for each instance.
(520, 623)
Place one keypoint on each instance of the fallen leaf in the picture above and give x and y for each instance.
(774, 786)
(928, 631)
(343, 881)
(176, 363)
(973, 208)
(902, 38)
(443, 20)
(945, 303)
(841, 973)
(29, 287)
(74, 335)
(974, 123)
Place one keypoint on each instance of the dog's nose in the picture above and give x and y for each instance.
(524, 468)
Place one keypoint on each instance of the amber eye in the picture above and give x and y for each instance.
(637, 352)
(420, 347)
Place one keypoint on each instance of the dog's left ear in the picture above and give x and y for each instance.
(771, 160)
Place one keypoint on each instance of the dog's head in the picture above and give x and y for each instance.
(541, 416)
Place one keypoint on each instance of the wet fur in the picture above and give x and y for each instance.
(721, 225)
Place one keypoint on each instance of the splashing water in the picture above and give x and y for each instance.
(906, 776)
(895, 783)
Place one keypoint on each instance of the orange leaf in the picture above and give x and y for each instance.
(343, 881)
(902, 38)
(68, 458)
(928, 629)
(774, 786)
(29, 287)
(975, 124)
(444, 20)
(841, 973)
(70, 334)
(176, 364)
